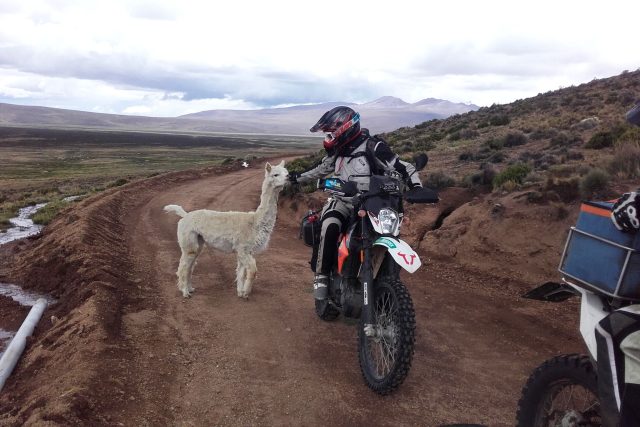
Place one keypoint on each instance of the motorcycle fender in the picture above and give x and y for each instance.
(401, 253)
(591, 313)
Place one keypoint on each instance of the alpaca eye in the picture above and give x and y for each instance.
(276, 174)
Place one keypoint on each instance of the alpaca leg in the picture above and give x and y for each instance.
(190, 287)
(190, 249)
(250, 277)
(241, 271)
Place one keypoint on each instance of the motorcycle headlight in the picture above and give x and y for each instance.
(389, 221)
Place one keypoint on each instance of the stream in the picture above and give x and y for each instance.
(23, 227)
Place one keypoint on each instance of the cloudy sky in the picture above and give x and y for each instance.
(167, 58)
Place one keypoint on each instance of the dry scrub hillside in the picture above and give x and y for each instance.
(528, 164)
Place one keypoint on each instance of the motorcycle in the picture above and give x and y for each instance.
(599, 265)
(365, 280)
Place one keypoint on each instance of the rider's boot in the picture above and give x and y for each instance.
(320, 287)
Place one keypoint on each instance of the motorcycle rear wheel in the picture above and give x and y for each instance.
(563, 391)
(385, 359)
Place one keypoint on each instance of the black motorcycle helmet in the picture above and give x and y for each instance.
(633, 115)
(341, 126)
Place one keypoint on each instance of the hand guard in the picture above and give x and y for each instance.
(626, 211)
(293, 177)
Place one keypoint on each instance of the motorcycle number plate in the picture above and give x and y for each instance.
(401, 253)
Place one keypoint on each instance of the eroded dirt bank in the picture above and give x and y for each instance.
(125, 348)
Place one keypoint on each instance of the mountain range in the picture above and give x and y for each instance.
(381, 115)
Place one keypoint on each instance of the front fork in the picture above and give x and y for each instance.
(367, 281)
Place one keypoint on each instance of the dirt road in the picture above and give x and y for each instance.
(215, 359)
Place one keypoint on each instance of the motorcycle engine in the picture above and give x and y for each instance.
(351, 298)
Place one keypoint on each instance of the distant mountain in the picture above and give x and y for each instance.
(381, 115)
(386, 102)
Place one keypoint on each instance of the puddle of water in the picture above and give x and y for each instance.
(23, 226)
(21, 296)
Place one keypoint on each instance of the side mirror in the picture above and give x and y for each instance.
(420, 160)
(421, 195)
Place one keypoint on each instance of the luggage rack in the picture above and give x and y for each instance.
(584, 282)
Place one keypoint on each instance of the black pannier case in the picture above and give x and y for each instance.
(310, 229)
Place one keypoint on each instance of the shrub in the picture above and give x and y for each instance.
(117, 183)
(612, 98)
(561, 138)
(499, 120)
(600, 140)
(593, 183)
(626, 160)
(566, 189)
(46, 214)
(439, 180)
(630, 136)
(514, 139)
(575, 155)
(457, 127)
(465, 156)
(483, 178)
(515, 173)
(469, 133)
(455, 136)
(497, 157)
(305, 163)
(607, 138)
(545, 161)
(424, 143)
(483, 153)
(495, 144)
(626, 98)
(543, 133)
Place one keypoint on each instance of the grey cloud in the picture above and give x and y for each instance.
(262, 87)
(508, 58)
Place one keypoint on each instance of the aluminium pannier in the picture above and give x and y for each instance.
(601, 258)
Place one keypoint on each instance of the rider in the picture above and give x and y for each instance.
(618, 334)
(352, 155)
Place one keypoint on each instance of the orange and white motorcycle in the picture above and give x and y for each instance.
(365, 280)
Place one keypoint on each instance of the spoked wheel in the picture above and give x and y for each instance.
(562, 392)
(385, 351)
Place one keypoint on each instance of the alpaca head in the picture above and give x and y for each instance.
(276, 175)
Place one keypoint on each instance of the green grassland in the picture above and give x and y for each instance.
(38, 165)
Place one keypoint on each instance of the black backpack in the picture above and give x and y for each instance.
(375, 165)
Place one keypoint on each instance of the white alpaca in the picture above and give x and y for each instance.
(245, 233)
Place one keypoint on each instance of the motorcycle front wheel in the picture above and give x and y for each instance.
(385, 355)
(563, 391)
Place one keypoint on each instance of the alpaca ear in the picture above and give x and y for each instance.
(281, 164)
(268, 167)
